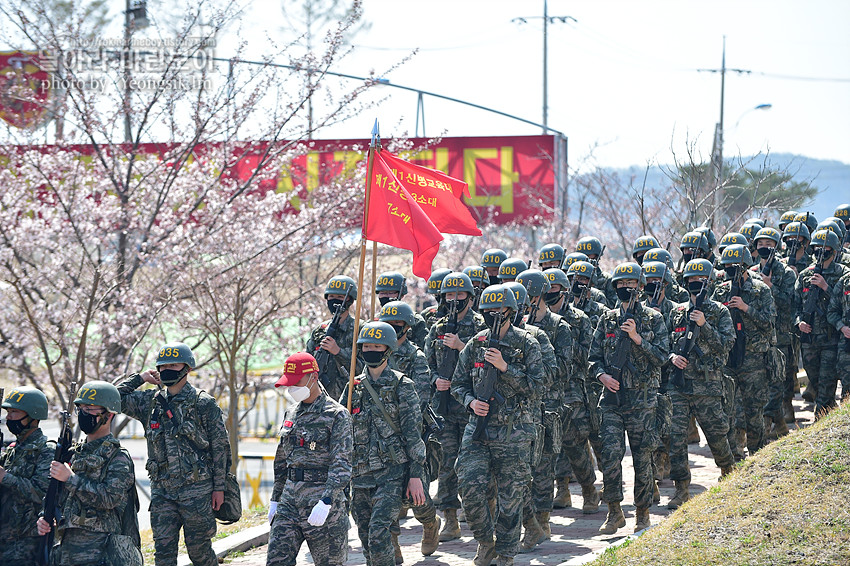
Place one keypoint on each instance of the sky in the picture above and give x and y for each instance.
(623, 79)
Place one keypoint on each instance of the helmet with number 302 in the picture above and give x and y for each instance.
(455, 282)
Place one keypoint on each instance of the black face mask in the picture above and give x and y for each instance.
(494, 279)
(18, 426)
(823, 254)
(400, 331)
(687, 256)
(578, 289)
(171, 376)
(373, 358)
(732, 271)
(694, 287)
(385, 300)
(651, 288)
(489, 318)
(89, 423)
(639, 259)
(624, 294)
(764, 253)
(333, 304)
(460, 304)
(552, 297)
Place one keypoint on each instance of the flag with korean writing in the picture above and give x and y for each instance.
(439, 195)
(396, 219)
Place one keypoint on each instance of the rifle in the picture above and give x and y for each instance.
(323, 356)
(51, 498)
(656, 296)
(595, 262)
(792, 252)
(691, 336)
(487, 388)
(623, 349)
(434, 423)
(449, 361)
(812, 298)
(767, 268)
(736, 356)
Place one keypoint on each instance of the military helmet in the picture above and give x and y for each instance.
(436, 280)
(534, 282)
(749, 231)
(695, 241)
(557, 277)
(842, 212)
(590, 246)
(628, 270)
(574, 257)
(826, 238)
(808, 219)
(455, 282)
(769, 234)
(511, 267)
(397, 311)
(493, 257)
(582, 268)
(391, 281)
(29, 400)
(787, 218)
(736, 253)
(519, 291)
(643, 244)
(659, 254)
(795, 229)
(496, 297)
(476, 274)
(551, 252)
(657, 269)
(840, 223)
(175, 353)
(756, 220)
(100, 393)
(698, 268)
(831, 226)
(340, 285)
(377, 332)
(732, 238)
(709, 235)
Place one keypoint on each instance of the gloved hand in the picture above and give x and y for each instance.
(319, 514)
(272, 510)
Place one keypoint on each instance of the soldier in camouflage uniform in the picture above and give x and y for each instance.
(819, 338)
(188, 455)
(643, 245)
(388, 448)
(480, 281)
(588, 290)
(795, 257)
(697, 384)
(437, 347)
(491, 260)
(628, 405)
(98, 485)
(24, 475)
(838, 315)
(435, 312)
(594, 249)
(411, 361)
(754, 310)
(551, 256)
(672, 290)
(334, 355)
(392, 286)
(781, 281)
(503, 453)
(312, 469)
(579, 418)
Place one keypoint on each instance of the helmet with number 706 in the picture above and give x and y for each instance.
(698, 268)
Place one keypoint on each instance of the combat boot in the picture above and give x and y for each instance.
(591, 499)
(726, 471)
(486, 553)
(543, 521)
(642, 519)
(399, 559)
(562, 495)
(430, 540)
(533, 535)
(693, 432)
(451, 530)
(741, 440)
(504, 560)
(682, 494)
(656, 495)
(615, 519)
(788, 411)
(780, 427)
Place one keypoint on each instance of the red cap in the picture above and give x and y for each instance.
(295, 367)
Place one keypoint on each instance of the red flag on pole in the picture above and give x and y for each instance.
(438, 194)
(396, 219)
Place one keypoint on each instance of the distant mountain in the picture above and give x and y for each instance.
(832, 178)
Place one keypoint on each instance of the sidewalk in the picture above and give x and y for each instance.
(574, 535)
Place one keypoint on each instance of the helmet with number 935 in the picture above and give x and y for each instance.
(175, 353)
(100, 393)
(377, 332)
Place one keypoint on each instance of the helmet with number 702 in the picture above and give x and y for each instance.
(496, 297)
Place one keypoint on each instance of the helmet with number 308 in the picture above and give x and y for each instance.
(377, 332)
(628, 270)
(511, 267)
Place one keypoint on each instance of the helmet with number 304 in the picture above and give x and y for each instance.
(628, 270)
(100, 393)
(28, 399)
(378, 333)
(175, 353)
(391, 281)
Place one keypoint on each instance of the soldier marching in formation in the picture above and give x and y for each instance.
(514, 382)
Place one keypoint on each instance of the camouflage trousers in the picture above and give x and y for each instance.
(190, 508)
(328, 544)
(751, 389)
(594, 393)
(22, 550)
(425, 513)
(708, 410)
(540, 492)
(729, 408)
(781, 391)
(450, 438)
(819, 359)
(79, 547)
(842, 366)
(574, 459)
(505, 460)
(374, 510)
(639, 424)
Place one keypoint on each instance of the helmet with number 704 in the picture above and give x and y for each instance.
(736, 253)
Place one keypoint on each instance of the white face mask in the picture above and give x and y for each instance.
(299, 394)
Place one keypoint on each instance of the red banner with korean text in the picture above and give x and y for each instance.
(395, 218)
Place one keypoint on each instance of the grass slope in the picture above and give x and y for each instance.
(789, 504)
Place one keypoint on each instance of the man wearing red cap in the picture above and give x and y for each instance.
(312, 467)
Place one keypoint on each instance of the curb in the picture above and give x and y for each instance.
(238, 542)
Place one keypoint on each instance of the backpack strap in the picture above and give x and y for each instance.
(377, 400)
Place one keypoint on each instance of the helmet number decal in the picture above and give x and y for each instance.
(372, 332)
(87, 393)
(169, 353)
(12, 394)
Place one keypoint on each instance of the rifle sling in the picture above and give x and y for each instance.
(374, 395)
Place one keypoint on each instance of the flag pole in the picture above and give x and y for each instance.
(376, 140)
(374, 276)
